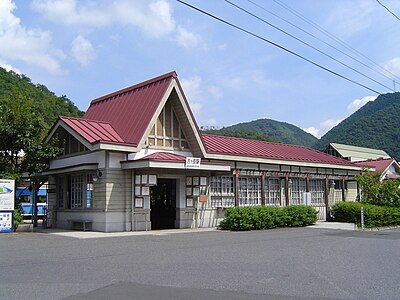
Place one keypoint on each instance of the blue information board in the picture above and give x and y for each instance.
(6, 221)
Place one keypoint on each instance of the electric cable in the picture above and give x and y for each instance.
(338, 40)
(321, 40)
(275, 44)
(384, 6)
(305, 43)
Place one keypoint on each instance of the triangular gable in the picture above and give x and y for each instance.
(133, 111)
(173, 125)
(91, 134)
(67, 136)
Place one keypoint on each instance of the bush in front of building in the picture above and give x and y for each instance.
(17, 217)
(374, 215)
(299, 215)
(267, 217)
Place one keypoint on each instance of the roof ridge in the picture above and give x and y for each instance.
(136, 86)
(87, 120)
(245, 139)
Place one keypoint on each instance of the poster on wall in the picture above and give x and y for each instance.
(7, 194)
(6, 221)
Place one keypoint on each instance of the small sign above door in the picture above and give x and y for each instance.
(193, 163)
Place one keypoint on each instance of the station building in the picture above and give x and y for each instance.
(137, 161)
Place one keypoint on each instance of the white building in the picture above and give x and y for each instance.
(137, 160)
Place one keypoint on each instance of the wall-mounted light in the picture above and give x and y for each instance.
(97, 175)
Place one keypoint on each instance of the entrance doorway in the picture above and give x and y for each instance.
(163, 204)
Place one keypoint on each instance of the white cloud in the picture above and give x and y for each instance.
(212, 122)
(9, 67)
(31, 46)
(82, 50)
(358, 103)
(312, 130)
(193, 91)
(330, 123)
(153, 18)
(192, 87)
(393, 66)
(215, 92)
(350, 17)
(187, 39)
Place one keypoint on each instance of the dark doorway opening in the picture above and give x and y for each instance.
(163, 204)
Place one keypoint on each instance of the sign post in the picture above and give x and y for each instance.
(7, 196)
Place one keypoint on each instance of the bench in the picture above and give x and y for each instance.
(80, 221)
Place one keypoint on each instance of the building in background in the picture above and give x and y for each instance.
(354, 153)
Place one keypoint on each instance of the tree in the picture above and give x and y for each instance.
(22, 149)
(373, 191)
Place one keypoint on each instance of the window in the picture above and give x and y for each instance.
(60, 191)
(249, 191)
(89, 190)
(298, 189)
(222, 191)
(317, 189)
(272, 190)
(76, 191)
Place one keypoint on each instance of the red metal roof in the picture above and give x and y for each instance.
(253, 148)
(93, 131)
(380, 165)
(129, 111)
(164, 156)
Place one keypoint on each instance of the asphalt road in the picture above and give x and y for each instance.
(299, 263)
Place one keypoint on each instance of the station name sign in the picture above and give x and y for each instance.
(193, 163)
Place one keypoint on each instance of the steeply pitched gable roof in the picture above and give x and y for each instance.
(244, 147)
(130, 110)
(93, 131)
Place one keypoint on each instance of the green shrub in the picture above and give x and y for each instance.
(266, 217)
(374, 215)
(299, 215)
(17, 218)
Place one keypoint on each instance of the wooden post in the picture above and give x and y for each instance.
(343, 192)
(287, 188)
(327, 197)
(237, 202)
(263, 188)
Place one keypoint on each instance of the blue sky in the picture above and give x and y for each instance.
(85, 49)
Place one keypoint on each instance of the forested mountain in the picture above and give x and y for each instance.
(375, 125)
(274, 130)
(44, 102)
(241, 134)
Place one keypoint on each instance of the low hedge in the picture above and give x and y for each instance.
(266, 217)
(374, 216)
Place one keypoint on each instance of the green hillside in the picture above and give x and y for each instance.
(375, 125)
(274, 130)
(44, 102)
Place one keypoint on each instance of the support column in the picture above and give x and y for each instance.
(287, 189)
(237, 172)
(263, 188)
(343, 191)
(327, 212)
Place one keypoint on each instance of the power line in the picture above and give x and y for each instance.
(275, 44)
(388, 10)
(321, 40)
(338, 40)
(305, 43)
